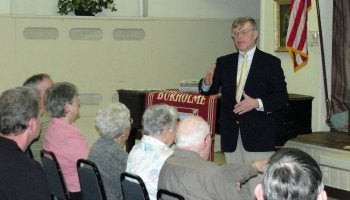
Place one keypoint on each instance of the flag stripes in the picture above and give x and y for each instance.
(296, 42)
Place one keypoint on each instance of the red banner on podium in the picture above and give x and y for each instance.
(188, 104)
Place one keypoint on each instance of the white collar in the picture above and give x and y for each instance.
(250, 53)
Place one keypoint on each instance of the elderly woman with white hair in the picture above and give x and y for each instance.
(147, 157)
(113, 123)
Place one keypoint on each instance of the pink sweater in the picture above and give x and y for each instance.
(68, 144)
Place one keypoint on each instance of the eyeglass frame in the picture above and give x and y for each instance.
(241, 32)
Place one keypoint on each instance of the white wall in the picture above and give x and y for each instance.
(161, 59)
(204, 8)
(148, 8)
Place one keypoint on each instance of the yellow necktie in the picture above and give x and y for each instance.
(240, 78)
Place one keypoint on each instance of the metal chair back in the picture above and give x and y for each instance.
(54, 175)
(133, 187)
(90, 180)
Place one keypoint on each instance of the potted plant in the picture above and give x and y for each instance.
(84, 7)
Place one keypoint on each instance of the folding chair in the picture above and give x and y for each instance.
(133, 187)
(90, 180)
(167, 195)
(54, 175)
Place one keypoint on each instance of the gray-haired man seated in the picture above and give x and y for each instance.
(20, 122)
(291, 174)
(188, 173)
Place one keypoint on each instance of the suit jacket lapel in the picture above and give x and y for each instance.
(234, 66)
(253, 67)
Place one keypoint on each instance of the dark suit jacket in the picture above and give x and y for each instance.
(265, 81)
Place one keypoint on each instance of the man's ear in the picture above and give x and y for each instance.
(67, 108)
(32, 124)
(208, 140)
(322, 195)
(33, 127)
(259, 193)
(256, 35)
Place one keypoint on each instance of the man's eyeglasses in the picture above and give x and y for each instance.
(209, 135)
(236, 34)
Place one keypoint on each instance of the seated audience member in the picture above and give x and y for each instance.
(21, 178)
(113, 123)
(40, 82)
(63, 138)
(188, 173)
(147, 157)
(291, 174)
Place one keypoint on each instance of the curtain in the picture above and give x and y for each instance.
(340, 81)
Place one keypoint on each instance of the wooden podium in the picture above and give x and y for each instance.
(188, 104)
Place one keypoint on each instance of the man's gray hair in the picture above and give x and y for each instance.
(57, 97)
(158, 118)
(292, 174)
(17, 107)
(34, 80)
(240, 21)
(112, 120)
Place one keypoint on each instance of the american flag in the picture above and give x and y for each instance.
(296, 42)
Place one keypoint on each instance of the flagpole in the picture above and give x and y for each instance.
(328, 107)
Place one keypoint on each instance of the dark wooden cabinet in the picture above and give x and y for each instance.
(294, 119)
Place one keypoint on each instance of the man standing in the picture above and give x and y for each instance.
(252, 86)
(21, 177)
(40, 82)
(188, 173)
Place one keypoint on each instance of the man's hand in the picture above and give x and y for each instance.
(208, 79)
(246, 105)
(259, 165)
(238, 186)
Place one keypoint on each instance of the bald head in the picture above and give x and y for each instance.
(191, 131)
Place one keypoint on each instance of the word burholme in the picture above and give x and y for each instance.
(181, 97)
